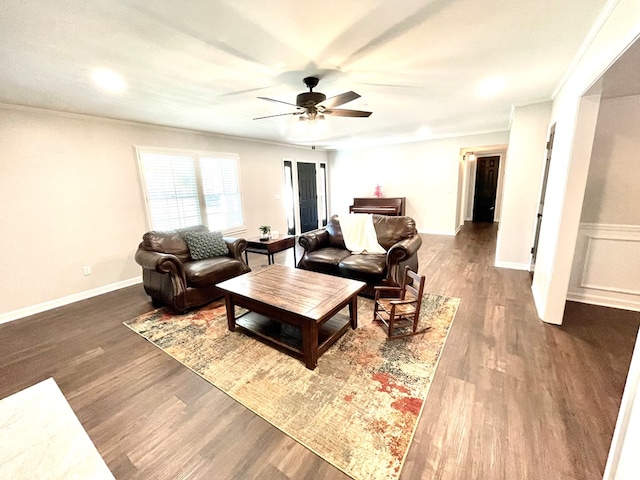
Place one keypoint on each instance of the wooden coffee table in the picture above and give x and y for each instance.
(278, 297)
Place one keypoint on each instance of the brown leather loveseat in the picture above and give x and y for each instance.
(172, 277)
(325, 252)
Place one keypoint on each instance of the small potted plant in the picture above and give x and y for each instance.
(265, 230)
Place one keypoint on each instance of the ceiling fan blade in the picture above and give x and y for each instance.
(279, 115)
(278, 101)
(340, 99)
(248, 90)
(341, 112)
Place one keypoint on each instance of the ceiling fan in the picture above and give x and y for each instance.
(315, 105)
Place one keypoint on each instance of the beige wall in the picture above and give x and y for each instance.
(522, 185)
(426, 173)
(70, 197)
(606, 264)
(612, 193)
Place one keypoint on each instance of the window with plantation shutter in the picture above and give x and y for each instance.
(190, 188)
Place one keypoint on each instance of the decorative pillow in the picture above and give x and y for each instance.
(206, 244)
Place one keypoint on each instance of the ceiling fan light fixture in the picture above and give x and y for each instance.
(315, 105)
(306, 99)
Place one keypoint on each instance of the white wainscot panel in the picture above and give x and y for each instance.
(606, 266)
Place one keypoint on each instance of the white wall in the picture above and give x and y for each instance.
(426, 173)
(71, 196)
(606, 264)
(571, 156)
(612, 193)
(522, 184)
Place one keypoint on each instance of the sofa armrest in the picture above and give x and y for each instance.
(403, 250)
(314, 240)
(236, 246)
(161, 263)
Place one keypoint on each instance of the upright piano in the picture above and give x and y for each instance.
(393, 206)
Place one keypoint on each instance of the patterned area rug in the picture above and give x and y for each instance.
(358, 409)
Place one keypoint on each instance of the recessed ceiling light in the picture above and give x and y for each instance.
(424, 132)
(109, 80)
(490, 87)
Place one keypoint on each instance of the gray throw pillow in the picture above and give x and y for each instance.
(206, 244)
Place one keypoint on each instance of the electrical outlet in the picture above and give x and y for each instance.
(86, 270)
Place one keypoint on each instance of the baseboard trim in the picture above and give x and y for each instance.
(59, 302)
(604, 301)
(512, 265)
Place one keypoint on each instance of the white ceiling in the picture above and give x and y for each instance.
(202, 64)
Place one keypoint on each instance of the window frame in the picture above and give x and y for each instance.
(196, 155)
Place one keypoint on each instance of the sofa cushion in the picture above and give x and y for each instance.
(369, 267)
(203, 273)
(166, 242)
(336, 239)
(325, 260)
(206, 245)
(170, 241)
(391, 230)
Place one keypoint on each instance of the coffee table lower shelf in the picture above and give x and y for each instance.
(308, 302)
(288, 338)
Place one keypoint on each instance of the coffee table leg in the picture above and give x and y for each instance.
(353, 312)
(310, 344)
(231, 313)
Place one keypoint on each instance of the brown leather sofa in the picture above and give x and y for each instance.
(325, 252)
(172, 278)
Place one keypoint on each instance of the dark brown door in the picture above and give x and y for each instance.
(545, 178)
(484, 200)
(308, 196)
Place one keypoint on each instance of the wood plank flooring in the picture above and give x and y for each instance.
(512, 398)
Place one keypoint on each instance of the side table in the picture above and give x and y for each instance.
(271, 247)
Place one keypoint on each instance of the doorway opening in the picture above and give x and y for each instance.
(486, 188)
(305, 195)
(545, 179)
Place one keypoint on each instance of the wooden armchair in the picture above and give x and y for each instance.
(398, 308)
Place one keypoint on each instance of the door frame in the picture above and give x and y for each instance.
(475, 181)
(543, 191)
(469, 174)
(322, 178)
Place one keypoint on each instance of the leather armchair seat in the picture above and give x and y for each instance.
(325, 252)
(172, 278)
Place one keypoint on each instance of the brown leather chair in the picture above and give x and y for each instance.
(173, 278)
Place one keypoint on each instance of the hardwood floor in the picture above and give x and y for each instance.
(512, 398)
